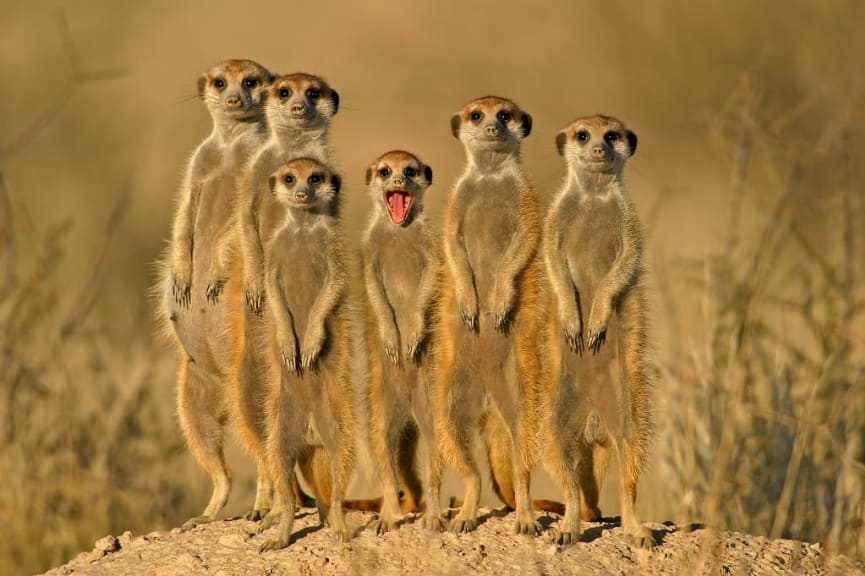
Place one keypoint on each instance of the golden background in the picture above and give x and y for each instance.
(749, 117)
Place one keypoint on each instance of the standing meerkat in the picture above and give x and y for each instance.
(601, 375)
(311, 396)
(401, 269)
(489, 307)
(233, 91)
(298, 108)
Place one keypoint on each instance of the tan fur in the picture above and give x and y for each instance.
(601, 374)
(489, 310)
(297, 126)
(232, 92)
(402, 268)
(310, 404)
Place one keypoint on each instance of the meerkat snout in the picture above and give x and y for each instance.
(298, 110)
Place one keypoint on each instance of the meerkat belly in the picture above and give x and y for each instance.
(303, 274)
(489, 224)
(401, 271)
(592, 245)
(203, 327)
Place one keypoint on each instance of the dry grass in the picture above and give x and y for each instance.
(747, 176)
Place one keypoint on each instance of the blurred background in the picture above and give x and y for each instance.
(747, 180)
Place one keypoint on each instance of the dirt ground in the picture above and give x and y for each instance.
(231, 548)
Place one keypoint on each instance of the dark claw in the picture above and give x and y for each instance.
(181, 295)
(575, 341)
(391, 354)
(502, 321)
(254, 302)
(214, 290)
(596, 340)
(470, 320)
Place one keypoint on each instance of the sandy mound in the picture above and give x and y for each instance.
(231, 548)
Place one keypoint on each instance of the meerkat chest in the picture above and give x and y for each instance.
(490, 216)
(593, 237)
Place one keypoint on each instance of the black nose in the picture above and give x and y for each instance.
(598, 152)
(234, 101)
(298, 109)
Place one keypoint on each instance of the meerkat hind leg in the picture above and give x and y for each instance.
(202, 420)
(386, 443)
(638, 534)
(407, 468)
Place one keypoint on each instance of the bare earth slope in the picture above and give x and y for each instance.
(231, 548)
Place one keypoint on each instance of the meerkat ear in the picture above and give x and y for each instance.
(527, 124)
(632, 141)
(273, 184)
(427, 172)
(335, 182)
(368, 175)
(561, 139)
(334, 97)
(455, 125)
(202, 83)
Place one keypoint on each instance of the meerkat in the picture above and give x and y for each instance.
(601, 374)
(489, 307)
(401, 267)
(232, 91)
(311, 396)
(298, 108)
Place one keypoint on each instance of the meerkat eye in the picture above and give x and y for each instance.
(289, 179)
(504, 116)
(611, 137)
(284, 93)
(313, 93)
(582, 136)
(410, 172)
(250, 82)
(476, 116)
(384, 172)
(219, 83)
(315, 179)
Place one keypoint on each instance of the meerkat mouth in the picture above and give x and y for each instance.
(398, 204)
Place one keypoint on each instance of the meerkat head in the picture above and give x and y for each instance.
(491, 124)
(598, 144)
(397, 181)
(235, 89)
(307, 185)
(300, 101)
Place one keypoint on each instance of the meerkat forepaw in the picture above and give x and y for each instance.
(214, 289)
(502, 320)
(254, 300)
(414, 349)
(181, 289)
(574, 339)
(597, 337)
(469, 315)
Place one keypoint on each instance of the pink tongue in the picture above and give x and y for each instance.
(396, 202)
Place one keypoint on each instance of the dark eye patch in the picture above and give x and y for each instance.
(384, 172)
(409, 172)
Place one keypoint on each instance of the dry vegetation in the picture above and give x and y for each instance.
(748, 179)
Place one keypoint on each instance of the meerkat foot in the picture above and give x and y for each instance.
(256, 515)
(641, 537)
(463, 523)
(382, 525)
(196, 521)
(433, 522)
(270, 519)
(527, 525)
(275, 544)
(569, 529)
